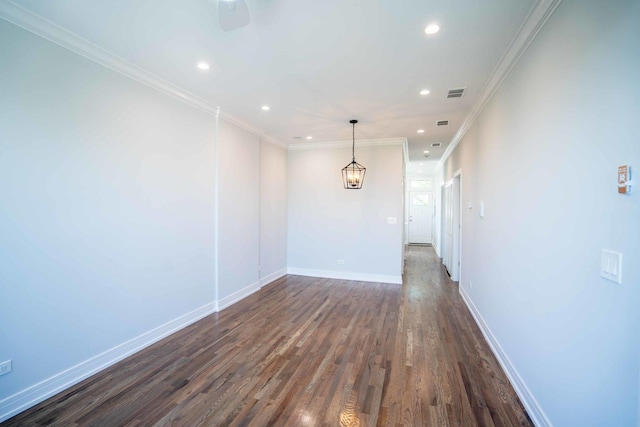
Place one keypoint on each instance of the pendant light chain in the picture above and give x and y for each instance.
(353, 146)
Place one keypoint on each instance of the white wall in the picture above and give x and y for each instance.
(114, 231)
(543, 157)
(327, 223)
(238, 213)
(273, 212)
(106, 219)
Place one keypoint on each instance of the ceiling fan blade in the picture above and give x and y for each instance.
(233, 14)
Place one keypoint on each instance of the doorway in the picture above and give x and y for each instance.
(420, 217)
(451, 227)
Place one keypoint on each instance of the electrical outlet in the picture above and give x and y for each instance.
(5, 367)
(341, 261)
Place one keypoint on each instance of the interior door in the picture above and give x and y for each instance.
(447, 226)
(420, 216)
(451, 226)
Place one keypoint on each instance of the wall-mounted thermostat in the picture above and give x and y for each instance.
(624, 179)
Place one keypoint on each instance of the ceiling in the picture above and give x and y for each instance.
(316, 63)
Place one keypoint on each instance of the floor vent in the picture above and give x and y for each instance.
(456, 93)
(442, 123)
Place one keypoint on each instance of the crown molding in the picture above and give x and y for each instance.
(341, 144)
(274, 141)
(23, 18)
(252, 129)
(537, 17)
(36, 24)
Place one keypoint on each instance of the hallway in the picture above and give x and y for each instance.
(450, 376)
(309, 352)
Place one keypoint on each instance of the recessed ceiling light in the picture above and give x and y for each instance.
(425, 92)
(420, 164)
(420, 130)
(426, 151)
(265, 108)
(203, 65)
(309, 137)
(432, 29)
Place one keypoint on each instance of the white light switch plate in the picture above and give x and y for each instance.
(611, 265)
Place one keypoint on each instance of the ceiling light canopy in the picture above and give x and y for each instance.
(431, 29)
(265, 108)
(203, 66)
(233, 14)
(353, 173)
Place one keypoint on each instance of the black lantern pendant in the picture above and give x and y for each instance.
(353, 173)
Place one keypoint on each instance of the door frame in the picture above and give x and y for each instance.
(455, 264)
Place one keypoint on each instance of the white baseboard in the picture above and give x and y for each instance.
(35, 394)
(272, 277)
(530, 403)
(346, 275)
(238, 295)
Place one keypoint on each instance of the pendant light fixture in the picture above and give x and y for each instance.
(353, 173)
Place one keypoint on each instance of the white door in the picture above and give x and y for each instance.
(420, 216)
(447, 224)
(451, 226)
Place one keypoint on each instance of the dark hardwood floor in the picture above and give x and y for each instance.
(309, 352)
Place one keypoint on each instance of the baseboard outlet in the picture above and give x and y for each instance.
(238, 296)
(346, 275)
(530, 403)
(35, 394)
(272, 277)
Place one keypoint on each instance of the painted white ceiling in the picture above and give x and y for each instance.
(316, 63)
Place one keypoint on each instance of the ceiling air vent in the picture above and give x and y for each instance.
(436, 144)
(456, 93)
(442, 123)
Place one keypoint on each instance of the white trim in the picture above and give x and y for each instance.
(35, 394)
(346, 275)
(537, 17)
(437, 250)
(36, 24)
(216, 208)
(271, 140)
(341, 144)
(40, 26)
(535, 411)
(238, 296)
(251, 129)
(272, 277)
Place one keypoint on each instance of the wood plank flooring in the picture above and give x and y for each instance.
(308, 352)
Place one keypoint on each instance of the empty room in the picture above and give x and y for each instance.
(319, 213)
